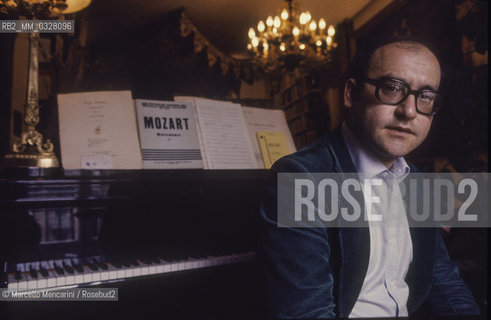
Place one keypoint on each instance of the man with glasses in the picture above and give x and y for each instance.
(391, 95)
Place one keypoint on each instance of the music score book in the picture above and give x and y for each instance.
(168, 135)
(98, 130)
(224, 138)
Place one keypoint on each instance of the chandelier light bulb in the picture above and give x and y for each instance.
(275, 31)
(269, 21)
(301, 46)
(284, 14)
(260, 26)
(329, 41)
(282, 47)
(265, 46)
(313, 26)
(331, 31)
(308, 16)
(303, 18)
(277, 22)
(296, 31)
(318, 43)
(255, 42)
(322, 24)
(249, 46)
(251, 34)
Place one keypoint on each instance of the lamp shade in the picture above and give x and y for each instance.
(75, 5)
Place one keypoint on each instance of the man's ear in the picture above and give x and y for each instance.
(350, 92)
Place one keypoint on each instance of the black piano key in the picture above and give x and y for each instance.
(134, 263)
(33, 272)
(77, 267)
(127, 264)
(18, 275)
(117, 264)
(92, 265)
(99, 263)
(68, 268)
(43, 271)
(3, 278)
(102, 265)
(58, 269)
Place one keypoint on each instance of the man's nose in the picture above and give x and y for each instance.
(407, 108)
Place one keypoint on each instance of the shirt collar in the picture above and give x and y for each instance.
(367, 165)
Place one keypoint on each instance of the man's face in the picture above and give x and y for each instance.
(386, 130)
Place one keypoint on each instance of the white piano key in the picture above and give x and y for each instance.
(159, 268)
(60, 278)
(104, 275)
(167, 266)
(128, 272)
(52, 278)
(42, 280)
(193, 263)
(32, 283)
(113, 271)
(96, 276)
(152, 269)
(120, 274)
(137, 271)
(201, 263)
(12, 281)
(145, 271)
(174, 265)
(70, 277)
(81, 277)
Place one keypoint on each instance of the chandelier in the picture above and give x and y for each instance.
(290, 39)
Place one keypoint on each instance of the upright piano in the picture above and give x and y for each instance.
(179, 244)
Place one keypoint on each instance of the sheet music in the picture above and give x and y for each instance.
(269, 120)
(200, 136)
(98, 131)
(224, 134)
(168, 134)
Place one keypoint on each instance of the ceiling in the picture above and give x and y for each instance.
(224, 22)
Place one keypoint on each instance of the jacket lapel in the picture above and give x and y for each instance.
(420, 271)
(354, 243)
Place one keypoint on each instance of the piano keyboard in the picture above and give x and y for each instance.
(74, 272)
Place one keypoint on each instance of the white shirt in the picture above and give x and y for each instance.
(384, 292)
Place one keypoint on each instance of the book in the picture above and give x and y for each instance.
(98, 130)
(168, 134)
(223, 134)
(266, 120)
(273, 146)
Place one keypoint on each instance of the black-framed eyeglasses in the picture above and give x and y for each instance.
(393, 92)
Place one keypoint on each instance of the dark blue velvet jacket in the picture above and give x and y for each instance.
(319, 272)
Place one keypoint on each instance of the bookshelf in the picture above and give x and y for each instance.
(305, 111)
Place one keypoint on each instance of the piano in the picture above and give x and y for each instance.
(180, 243)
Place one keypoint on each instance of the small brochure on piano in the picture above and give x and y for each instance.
(98, 131)
(267, 120)
(273, 146)
(168, 134)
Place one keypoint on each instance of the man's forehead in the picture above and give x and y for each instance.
(401, 48)
(404, 56)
